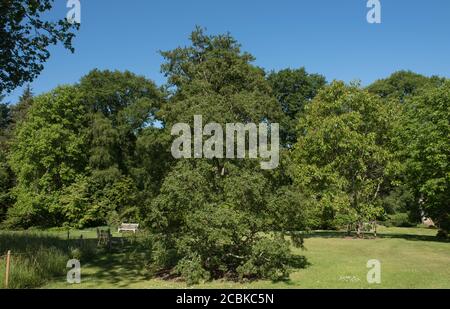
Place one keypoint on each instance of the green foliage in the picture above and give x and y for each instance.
(341, 158)
(270, 258)
(98, 153)
(153, 161)
(192, 270)
(425, 148)
(19, 111)
(164, 256)
(213, 223)
(25, 37)
(48, 152)
(404, 84)
(6, 184)
(293, 90)
(289, 210)
(5, 115)
(404, 87)
(399, 220)
(213, 78)
(123, 97)
(221, 236)
(6, 177)
(399, 199)
(120, 106)
(74, 149)
(122, 111)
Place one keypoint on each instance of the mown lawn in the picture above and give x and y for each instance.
(410, 258)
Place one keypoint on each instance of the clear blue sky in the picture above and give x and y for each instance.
(326, 36)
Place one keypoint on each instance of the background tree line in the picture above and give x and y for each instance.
(98, 152)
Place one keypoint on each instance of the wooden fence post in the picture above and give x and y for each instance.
(8, 264)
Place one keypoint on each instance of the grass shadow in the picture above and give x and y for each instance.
(380, 235)
(121, 266)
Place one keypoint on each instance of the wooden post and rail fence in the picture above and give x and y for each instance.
(7, 268)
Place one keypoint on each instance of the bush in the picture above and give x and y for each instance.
(269, 259)
(223, 242)
(191, 269)
(399, 220)
(163, 255)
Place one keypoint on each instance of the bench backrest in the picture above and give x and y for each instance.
(131, 226)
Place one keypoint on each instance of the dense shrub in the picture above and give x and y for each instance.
(192, 270)
(269, 258)
(221, 241)
(399, 220)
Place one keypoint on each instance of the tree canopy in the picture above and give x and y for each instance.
(424, 138)
(213, 78)
(341, 155)
(294, 89)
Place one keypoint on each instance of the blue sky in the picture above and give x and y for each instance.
(325, 36)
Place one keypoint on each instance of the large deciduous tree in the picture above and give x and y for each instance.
(402, 88)
(424, 139)
(341, 157)
(74, 151)
(121, 107)
(48, 153)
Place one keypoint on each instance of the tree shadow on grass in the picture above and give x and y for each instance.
(296, 262)
(121, 266)
(414, 237)
(380, 235)
(30, 242)
(115, 269)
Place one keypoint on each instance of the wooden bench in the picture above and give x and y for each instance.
(128, 227)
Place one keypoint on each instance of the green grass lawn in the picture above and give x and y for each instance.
(410, 258)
